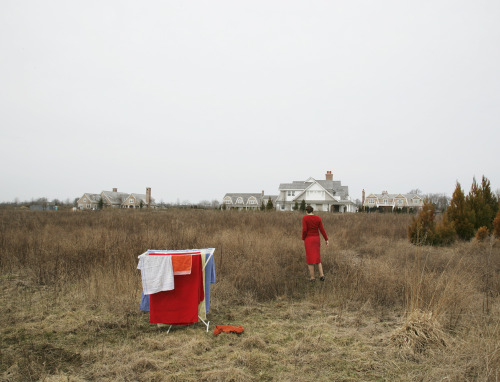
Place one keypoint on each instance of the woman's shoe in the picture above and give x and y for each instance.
(322, 278)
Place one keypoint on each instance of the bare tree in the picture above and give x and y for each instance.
(204, 204)
(417, 191)
(440, 201)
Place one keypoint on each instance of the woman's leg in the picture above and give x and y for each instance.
(320, 269)
(311, 270)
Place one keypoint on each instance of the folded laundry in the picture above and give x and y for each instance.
(181, 262)
(227, 329)
(156, 273)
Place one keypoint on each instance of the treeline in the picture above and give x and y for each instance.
(476, 214)
(43, 202)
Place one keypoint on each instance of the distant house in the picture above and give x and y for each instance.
(136, 200)
(48, 206)
(246, 201)
(88, 201)
(115, 199)
(390, 202)
(323, 195)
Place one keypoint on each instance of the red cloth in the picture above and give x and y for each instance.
(227, 329)
(311, 226)
(180, 305)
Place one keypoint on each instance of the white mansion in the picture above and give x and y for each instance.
(323, 195)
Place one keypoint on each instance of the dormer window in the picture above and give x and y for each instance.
(239, 201)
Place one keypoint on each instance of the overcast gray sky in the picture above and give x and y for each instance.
(198, 98)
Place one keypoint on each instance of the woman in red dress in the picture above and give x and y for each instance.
(311, 226)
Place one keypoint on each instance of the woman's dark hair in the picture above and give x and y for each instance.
(309, 209)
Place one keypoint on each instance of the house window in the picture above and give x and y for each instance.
(385, 201)
(371, 201)
(252, 201)
(400, 201)
(131, 201)
(239, 201)
(85, 200)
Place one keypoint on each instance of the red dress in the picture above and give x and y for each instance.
(311, 226)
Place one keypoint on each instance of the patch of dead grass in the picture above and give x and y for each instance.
(420, 334)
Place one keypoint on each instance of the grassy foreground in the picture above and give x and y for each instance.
(387, 311)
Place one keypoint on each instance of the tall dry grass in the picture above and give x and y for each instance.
(92, 257)
(258, 256)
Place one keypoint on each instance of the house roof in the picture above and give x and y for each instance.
(140, 197)
(334, 187)
(245, 196)
(94, 198)
(115, 197)
(394, 196)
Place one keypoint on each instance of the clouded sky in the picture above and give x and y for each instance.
(198, 98)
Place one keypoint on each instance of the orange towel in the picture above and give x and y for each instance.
(181, 264)
(227, 329)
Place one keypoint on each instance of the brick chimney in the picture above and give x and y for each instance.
(148, 196)
(363, 197)
(115, 189)
(262, 193)
(329, 175)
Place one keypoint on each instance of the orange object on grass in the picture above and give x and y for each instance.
(227, 329)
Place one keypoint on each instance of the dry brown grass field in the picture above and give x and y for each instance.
(388, 310)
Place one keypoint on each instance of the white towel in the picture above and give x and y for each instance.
(156, 272)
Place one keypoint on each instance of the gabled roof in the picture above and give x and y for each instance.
(94, 198)
(139, 198)
(394, 196)
(245, 196)
(311, 185)
(296, 185)
(114, 197)
(334, 187)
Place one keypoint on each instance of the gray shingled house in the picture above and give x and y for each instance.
(390, 202)
(115, 199)
(246, 201)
